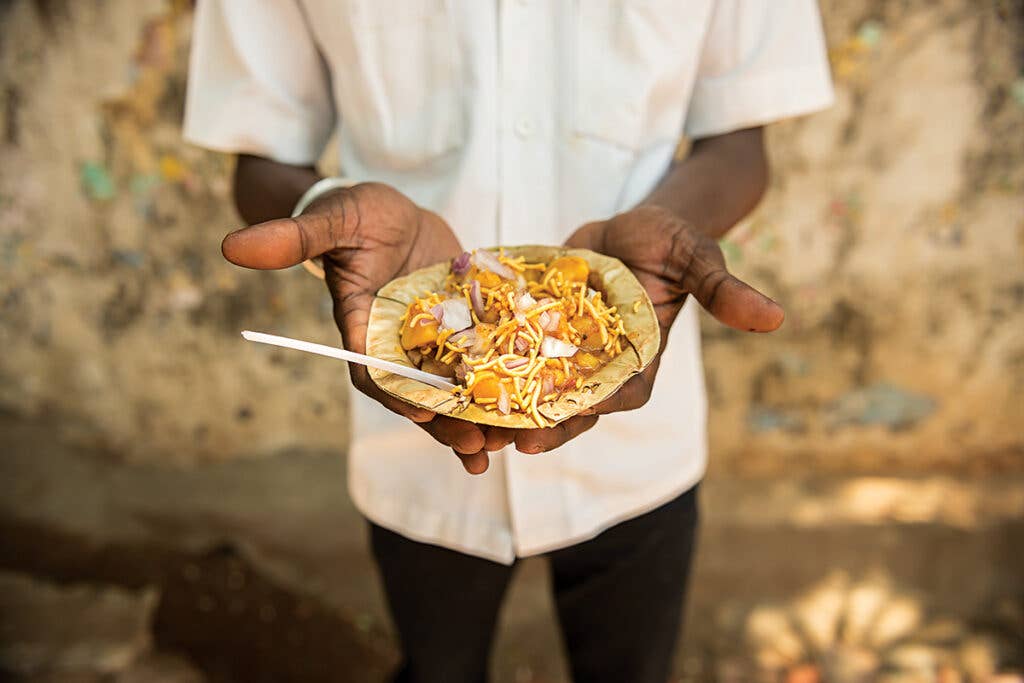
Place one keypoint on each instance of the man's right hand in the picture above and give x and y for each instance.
(368, 235)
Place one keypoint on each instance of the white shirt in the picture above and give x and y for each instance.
(517, 121)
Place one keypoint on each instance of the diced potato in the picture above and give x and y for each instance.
(487, 387)
(589, 332)
(586, 361)
(573, 268)
(557, 377)
(420, 335)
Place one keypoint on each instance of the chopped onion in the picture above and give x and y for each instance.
(465, 339)
(437, 310)
(554, 317)
(522, 344)
(488, 260)
(454, 314)
(461, 264)
(525, 302)
(504, 404)
(516, 363)
(477, 297)
(544, 319)
(521, 319)
(550, 347)
(470, 341)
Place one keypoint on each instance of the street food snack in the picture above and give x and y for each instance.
(529, 335)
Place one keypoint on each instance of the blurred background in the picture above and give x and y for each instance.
(172, 500)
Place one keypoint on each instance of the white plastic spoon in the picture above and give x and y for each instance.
(350, 356)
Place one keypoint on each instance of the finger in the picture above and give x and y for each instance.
(630, 396)
(737, 304)
(364, 383)
(496, 438)
(283, 242)
(589, 236)
(351, 315)
(475, 463)
(730, 300)
(550, 438)
(351, 309)
(463, 437)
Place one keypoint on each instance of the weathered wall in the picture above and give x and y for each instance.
(894, 235)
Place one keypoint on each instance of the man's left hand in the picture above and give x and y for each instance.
(672, 259)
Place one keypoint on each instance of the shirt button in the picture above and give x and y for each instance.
(524, 128)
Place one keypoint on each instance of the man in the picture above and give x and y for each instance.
(470, 123)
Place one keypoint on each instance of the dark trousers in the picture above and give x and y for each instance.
(619, 598)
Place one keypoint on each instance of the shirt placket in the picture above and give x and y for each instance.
(527, 171)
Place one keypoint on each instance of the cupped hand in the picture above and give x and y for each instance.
(368, 235)
(672, 260)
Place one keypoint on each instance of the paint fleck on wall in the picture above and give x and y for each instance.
(879, 404)
(893, 235)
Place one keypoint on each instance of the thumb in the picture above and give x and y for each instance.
(730, 300)
(282, 242)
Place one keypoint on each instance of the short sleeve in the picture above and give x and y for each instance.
(762, 60)
(257, 83)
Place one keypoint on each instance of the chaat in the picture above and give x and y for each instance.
(528, 335)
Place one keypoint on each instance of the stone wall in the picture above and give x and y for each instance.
(893, 234)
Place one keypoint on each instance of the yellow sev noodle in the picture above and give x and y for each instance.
(522, 383)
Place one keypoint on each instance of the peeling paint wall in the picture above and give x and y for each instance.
(118, 316)
(893, 234)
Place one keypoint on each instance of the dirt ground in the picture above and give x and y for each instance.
(260, 572)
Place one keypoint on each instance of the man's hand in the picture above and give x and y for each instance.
(673, 260)
(368, 235)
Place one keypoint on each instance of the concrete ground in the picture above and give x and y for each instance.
(257, 570)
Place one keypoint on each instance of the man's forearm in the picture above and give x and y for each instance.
(266, 189)
(719, 183)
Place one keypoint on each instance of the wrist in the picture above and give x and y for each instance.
(319, 189)
(264, 189)
(663, 215)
